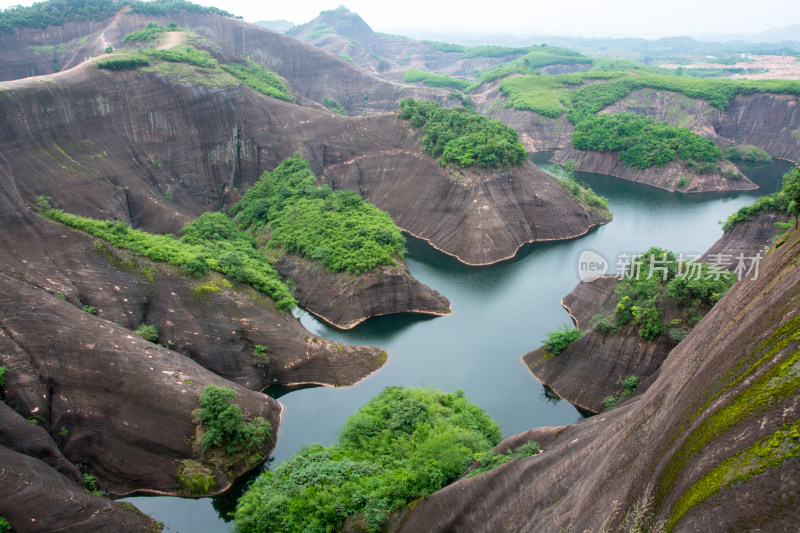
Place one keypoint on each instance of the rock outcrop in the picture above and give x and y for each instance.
(345, 300)
(595, 365)
(711, 444)
(749, 238)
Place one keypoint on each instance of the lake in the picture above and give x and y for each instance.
(500, 312)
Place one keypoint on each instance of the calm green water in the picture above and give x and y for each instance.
(499, 313)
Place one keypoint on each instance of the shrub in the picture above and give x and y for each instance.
(333, 105)
(194, 479)
(188, 55)
(91, 484)
(225, 424)
(260, 351)
(147, 332)
(746, 152)
(434, 80)
(456, 136)
(630, 384)
(123, 63)
(109, 49)
(558, 340)
(3, 371)
(210, 236)
(89, 309)
(609, 402)
(402, 445)
(340, 229)
(489, 460)
(5, 527)
(773, 202)
(196, 267)
(641, 141)
(260, 79)
(151, 32)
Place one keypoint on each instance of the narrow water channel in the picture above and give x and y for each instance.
(500, 312)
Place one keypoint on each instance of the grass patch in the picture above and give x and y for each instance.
(435, 80)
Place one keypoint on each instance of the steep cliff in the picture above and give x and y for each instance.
(156, 153)
(595, 365)
(711, 444)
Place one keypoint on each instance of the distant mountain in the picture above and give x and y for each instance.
(280, 26)
(775, 35)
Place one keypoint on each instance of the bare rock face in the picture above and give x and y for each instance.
(667, 177)
(748, 238)
(345, 300)
(36, 498)
(769, 121)
(593, 366)
(726, 397)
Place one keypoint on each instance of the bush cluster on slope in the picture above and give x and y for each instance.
(340, 229)
(224, 423)
(59, 12)
(657, 278)
(402, 445)
(260, 79)
(456, 136)
(641, 141)
(210, 242)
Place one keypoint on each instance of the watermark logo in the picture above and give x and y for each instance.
(591, 265)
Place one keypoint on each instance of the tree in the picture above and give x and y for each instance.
(791, 188)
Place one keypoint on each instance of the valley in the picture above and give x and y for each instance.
(222, 241)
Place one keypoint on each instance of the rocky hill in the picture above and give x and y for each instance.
(713, 443)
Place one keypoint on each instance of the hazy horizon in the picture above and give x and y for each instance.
(568, 18)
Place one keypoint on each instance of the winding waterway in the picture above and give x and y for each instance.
(500, 312)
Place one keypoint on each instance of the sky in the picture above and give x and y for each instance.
(586, 18)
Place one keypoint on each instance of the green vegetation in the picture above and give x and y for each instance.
(769, 452)
(630, 384)
(774, 202)
(5, 527)
(434, 80)
(91, 484)
(224, 423)
(579, 190)
(643, 142)
(212, 238)
(92, 310)
(456, 136)
(3, 371)
(320, 30)
(165, 7)
(745, 152)
(609, 402)
(791, 188)
(402, 445)
(493, 51)
(151, 32)
(147, 332)
(188, 55)
(124, 62)
(185, 73)
(445, 47)
(340, 229)
(490, 459)
(260, 351)
(260, 79)
(59, 12)
(758, 395)
(194, 479)
(334, 106)
(558, 340)
(589, 98)
(653, 278)
(346, 57)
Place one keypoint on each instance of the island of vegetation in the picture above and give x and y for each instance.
(403, 445)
